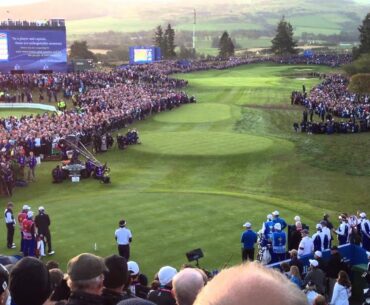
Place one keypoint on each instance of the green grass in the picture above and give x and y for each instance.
(204, 169)
(4, 113)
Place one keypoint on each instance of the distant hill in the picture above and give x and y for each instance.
(252, 22)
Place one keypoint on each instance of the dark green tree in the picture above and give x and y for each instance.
(226, 46)
(364, 30)
(360, 83)
(80, 50)
(360, 65)
(159, 40)
(186, 53)
(169, 40)
(284, 43)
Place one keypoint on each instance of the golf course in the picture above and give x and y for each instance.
(203, 170)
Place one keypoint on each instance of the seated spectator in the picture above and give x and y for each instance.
(115, 279)
(85, 279)
(250, 284)
(295, 276)
(186, 286)
(29, 282)
(295, 261)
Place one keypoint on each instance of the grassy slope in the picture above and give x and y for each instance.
(205, 169)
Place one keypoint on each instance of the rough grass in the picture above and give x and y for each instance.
(195, 180)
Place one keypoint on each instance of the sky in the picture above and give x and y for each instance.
(17, 2)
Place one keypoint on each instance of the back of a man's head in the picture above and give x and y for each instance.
(250, 284)
(29, 282)
(320, 300)
(117, 275)
(186, 285)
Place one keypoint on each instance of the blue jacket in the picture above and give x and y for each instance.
(248, 239)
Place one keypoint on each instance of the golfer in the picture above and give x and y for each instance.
(124, 238)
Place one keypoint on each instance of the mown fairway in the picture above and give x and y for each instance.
(206, 168)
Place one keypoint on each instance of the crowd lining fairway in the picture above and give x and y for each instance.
(199, 175)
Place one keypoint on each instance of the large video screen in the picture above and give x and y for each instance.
(33, 50)
(144, 55)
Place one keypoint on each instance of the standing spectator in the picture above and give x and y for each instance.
(296, 236)
(85, 279)
(124, 238)
(325, 229)
(31, 163)
(320, 239)
(42, 222)
(277, 219)
(278, 244)
(22, 216)
(306, 245)
(138, 287)
(10, 224)
(342, 231)
(115, 280)
(164, 294)
(29, 240)
(365, 231)
(315, 275)
(268, 227)
(295, 261)
(186, 286)
(334, 266)
(328, 223)
(29, 282)
(248, 240)
(342, 290)
(322, 263)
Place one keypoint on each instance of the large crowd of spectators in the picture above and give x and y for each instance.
(338, 110)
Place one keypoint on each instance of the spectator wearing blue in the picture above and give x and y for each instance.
(248, 240)
(343, 230)
(277, 219)
(278, 244)
(268, 227)
(365, 231)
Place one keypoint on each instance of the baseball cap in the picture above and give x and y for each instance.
(277, 226)
(275, 213)
(122, 223)
(166, 274)
(85, 266)
(41, 208)
(26, 207)
(363, 215)
(133, 268)
(318, 253)
(313, 262)
(297, 218)
(269, 216)
(247, 225)
(318, 226)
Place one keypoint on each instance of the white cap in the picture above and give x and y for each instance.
(275, 213)
(318, 253)
(368, 254)
(363, 215)
(277, 226)
(166, 274)
(29, 214)
(247, 225)
(133, 267)
(313, 262)
(41, 208)
(297, 218)
(269, 216)
(318, 226)
(26, 207)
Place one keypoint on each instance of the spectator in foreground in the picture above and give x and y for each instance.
(342, 290)
(29, 282)
(320, 300)
(115, 279)
(250, 284)
(4, 281)
(137, 287)
(316, 276)
(85, 279)
(163, 295)
(186, 286)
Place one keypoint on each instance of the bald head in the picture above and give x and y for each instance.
(250, 284)
(186, 285)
